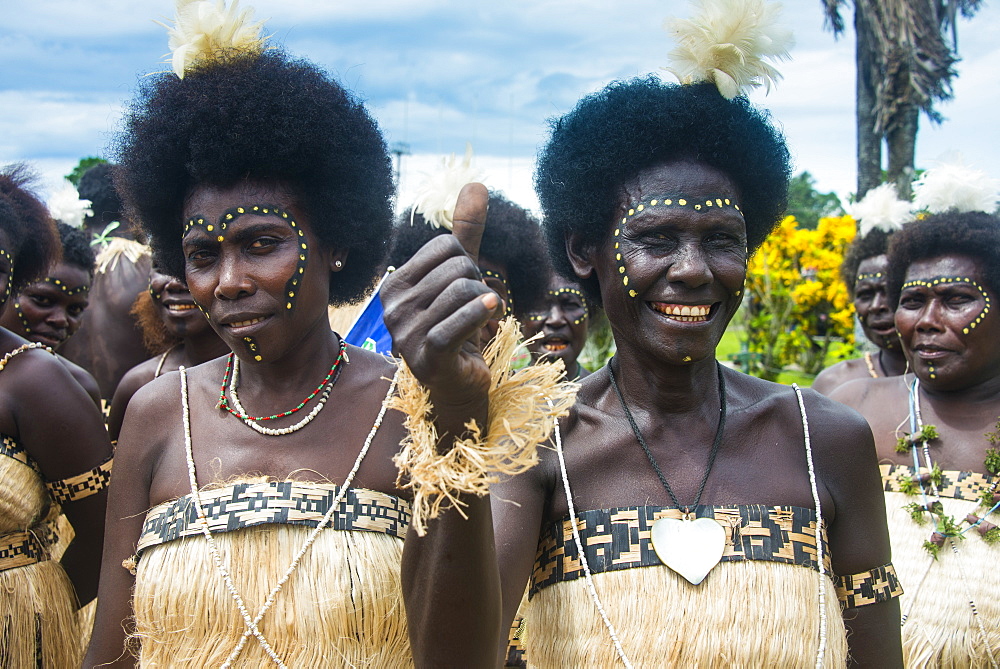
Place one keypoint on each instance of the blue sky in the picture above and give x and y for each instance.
(440, 73)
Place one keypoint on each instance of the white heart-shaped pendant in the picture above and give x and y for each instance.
(689, 547)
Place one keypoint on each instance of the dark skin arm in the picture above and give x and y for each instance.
(64, 433)
(518, 505)
(136, 378)
(435, 306)
(135, 461)
(85, 380)
(846, 463)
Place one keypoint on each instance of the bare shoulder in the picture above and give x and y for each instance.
(842, 372)
(136, 378)
(859, 392)
(84, 378)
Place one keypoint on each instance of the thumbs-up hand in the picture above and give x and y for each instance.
(436, 304)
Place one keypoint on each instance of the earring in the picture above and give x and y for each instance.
(338, 264)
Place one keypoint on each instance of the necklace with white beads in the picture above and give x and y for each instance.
(272, 431)
(252, 628)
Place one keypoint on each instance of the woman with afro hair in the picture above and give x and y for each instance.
(54, 457)
(50, 311)
(255, 516)
(936, 431)
(687, 514)
(511, 255)
(864, 272)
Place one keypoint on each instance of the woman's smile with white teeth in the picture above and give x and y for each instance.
(683, 312)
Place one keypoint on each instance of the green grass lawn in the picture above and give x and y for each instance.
(730, 344)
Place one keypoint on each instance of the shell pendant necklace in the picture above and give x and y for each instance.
(690, 546)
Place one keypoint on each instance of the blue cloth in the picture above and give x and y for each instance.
(369, 330)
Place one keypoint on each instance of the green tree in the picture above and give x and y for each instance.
(808, 205)
(82, 166)
(905, 56)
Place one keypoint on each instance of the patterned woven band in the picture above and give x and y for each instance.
(954, 484)
(82, 485)
(241, 505)
(871, 587)
(620, 539)
(20, 549)
(12, 449)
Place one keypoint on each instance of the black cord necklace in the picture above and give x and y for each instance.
(649, 454)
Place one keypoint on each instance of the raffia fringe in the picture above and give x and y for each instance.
(37, 601)
(940, 630)
(744, 614)
(108, 257)
(342, 607)
(523, 408)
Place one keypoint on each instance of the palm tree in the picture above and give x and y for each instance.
(905, 56)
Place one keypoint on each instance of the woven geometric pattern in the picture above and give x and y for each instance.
(620, 539)
(12, 449)
(515, 645)
(241, 505)
(871, 587)
(954, 484)
(82, 485)
(19, 549)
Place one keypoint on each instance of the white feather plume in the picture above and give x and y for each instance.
(727, 43)
(206, 32)
(65, 205)
(880, 209)
(955, 186)
(438, 194)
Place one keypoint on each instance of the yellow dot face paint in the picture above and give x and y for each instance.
(639, 207)
(945, 280)
(259, 210)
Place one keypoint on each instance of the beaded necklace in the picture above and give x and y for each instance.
(871, 367)
(233, 370)
(946, 527)
(252, 628)
(21, 349)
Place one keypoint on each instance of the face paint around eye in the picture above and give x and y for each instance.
(10, 273)
(700, 204)
(220, 228)
(944, 280)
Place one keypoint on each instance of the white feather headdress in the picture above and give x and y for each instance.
(206, 32)
(880, 209)
(955, 186)
(727, 43)
(438, 195)
(65, 205)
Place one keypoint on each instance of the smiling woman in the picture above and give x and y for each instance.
(54, 455)
(937, 430)
(267, 186)
(50, 311)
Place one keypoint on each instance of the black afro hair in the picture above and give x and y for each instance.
(875, 243)
(267, 118)
(76, 248)
(512, 238)
(97, 185)
(634, 125)
(975, 234)
(28, 227)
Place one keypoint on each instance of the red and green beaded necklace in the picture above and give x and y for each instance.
(333, 374)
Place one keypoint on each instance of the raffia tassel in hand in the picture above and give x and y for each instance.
(523, 409)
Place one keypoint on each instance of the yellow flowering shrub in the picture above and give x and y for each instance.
(797, 308)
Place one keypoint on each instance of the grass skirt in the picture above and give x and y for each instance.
(940, 629)
(37, 601)
(744, 614)
(342, 606)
